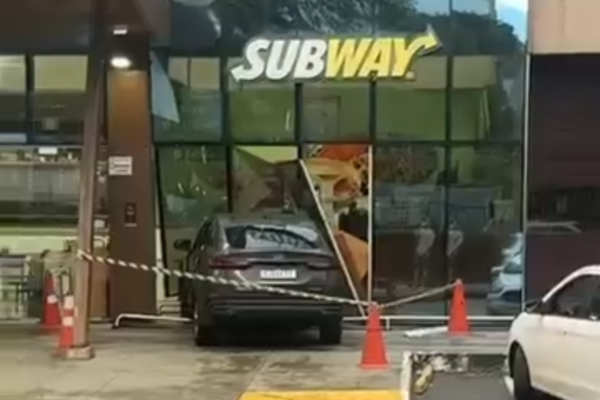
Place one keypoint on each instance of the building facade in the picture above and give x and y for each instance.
(409, 149)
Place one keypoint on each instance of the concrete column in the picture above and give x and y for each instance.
(132, 237)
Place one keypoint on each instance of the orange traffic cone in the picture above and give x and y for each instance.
(51, 312)
(374, 355)
(65, 341)
(458, 323)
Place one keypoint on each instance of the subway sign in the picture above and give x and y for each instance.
(333, 58)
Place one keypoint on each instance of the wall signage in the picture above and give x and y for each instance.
(333, 58)
(120, 166)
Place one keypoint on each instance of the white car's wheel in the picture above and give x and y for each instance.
(521, 377)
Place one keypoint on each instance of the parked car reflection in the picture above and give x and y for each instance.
(505, 296)
(506, 293)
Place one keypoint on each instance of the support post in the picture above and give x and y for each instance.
(93, 122)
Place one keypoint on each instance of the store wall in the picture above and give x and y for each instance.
(433, 163)
(564, 168)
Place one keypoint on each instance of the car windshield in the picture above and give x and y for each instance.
(264, 236)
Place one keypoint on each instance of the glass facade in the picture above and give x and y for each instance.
(417, 181)
(40, 149)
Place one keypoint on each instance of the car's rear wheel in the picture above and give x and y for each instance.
(204, 333)
(521, 377)
(186, 301)
(330, 332)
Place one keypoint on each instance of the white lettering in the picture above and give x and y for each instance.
(255, 64)
(311, 59)
(281, 59)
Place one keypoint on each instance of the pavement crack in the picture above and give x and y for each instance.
(254, 374)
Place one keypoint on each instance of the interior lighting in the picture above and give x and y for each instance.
(120, 62)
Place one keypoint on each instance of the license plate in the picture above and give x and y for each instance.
(278, 274)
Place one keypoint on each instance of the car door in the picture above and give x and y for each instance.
(197, 265)
(566, 308)
(585, 343)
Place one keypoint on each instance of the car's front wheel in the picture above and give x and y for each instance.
(330, 332)
(521, 377)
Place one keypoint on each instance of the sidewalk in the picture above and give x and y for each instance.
(163, 364)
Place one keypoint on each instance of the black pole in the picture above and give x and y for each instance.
(448, 95)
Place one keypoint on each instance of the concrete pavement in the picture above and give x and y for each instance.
(162, 363)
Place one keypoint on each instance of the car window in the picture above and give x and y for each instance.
(594, 313)
(257, 236)
(572, 300)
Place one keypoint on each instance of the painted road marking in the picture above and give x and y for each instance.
(325, 395)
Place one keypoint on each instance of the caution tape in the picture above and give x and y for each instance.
(259, 287)
(219, 281)
(419, 296)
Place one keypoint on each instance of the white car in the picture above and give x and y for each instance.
(554, 346)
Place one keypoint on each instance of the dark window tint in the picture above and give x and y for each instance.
(572, 300)
(289, 237)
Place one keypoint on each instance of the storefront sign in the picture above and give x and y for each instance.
(333, 58)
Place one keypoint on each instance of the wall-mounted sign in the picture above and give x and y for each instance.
(333, 58)
(130, 215)
(120, 166)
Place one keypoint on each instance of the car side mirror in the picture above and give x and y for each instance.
(538, 306)
(182, 245)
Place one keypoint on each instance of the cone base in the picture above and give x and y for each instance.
(76, 353)
(375, 366)
(49, 329)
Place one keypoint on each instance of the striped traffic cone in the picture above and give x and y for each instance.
(50, 321)
(65, 341)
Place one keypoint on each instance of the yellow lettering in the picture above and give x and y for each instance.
(378, 59)
(345, 57)
(405, 52)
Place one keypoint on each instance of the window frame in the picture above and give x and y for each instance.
(202, 234)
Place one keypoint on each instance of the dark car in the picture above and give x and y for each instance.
(273, 249)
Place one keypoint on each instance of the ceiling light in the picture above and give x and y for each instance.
(120, 30)
(120, 62)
